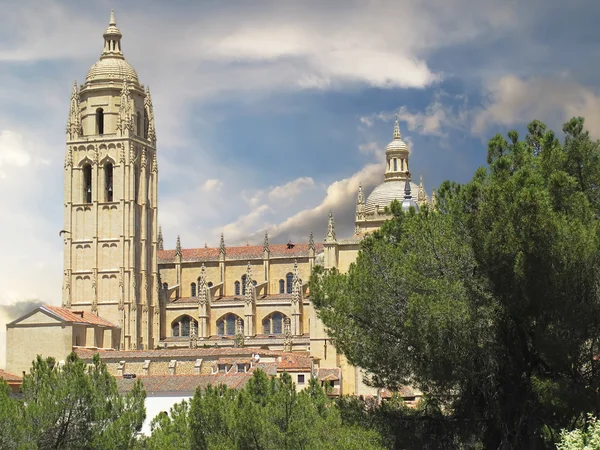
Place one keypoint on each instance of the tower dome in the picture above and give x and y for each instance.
(112, 66)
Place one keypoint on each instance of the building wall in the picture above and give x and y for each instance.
(47, 337)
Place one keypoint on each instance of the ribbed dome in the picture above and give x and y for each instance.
(385, 193)
(396, 145)
(112, 69)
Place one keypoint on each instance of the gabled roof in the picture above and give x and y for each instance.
(9, 376)
(242, 252)
(67, 315)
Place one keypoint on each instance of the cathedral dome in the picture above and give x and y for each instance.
(385, 193)
(396, 145)
(112, 65)
(112, 69)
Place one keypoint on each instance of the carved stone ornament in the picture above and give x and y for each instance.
(74, 128)
(144, 161)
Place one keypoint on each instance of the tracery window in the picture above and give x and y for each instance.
(289, 278)
(281, 287)
(193, 289)
(226, 325)
(273, 324)
(184, 326)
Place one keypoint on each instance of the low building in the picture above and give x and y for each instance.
(14, 381)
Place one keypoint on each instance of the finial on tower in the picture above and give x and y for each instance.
(433, 200)
(178, 247)
(311, 242)
(159, 241)
(361, 196)
(266, 248)
(112, 18)
(330, 228)
(397, 134)
(222, 245)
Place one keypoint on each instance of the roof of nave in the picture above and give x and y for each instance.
(9, 376)
(244, 252)
(74, 316)
(184, 383)
(179, 353)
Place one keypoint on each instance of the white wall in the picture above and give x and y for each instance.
(155, 403)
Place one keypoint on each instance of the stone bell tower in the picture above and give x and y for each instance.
(110, 204)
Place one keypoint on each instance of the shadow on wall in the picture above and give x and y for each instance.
(8, 313)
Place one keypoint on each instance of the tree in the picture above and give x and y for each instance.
(267, 414)
(75, 406)
(490, 303)
(586, 438)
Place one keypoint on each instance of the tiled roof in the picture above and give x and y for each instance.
(9, 376)
(178, 353)
(77, 316)
(184, 383)
(241, 252)
(294, 362)
(329, 374)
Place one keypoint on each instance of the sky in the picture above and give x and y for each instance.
(270, 113)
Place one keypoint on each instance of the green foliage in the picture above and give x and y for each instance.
(71, 407)
(490, 304)
(586, 438)
(266, 414)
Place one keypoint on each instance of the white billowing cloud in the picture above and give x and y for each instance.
(370, 148)
(237, 231)
(515, 100)
(13, 149)
(212, 184)
(291, 189)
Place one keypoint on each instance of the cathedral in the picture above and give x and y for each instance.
(123, 291)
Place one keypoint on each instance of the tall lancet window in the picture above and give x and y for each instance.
(108, 180)
(87, 183)
(395, 165)
(193, 289)
(146, 124)
(99, 121)
(288, 282)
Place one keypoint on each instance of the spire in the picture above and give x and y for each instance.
(124, 121)
(74, 129)
(222, 245)
(202, 286)
(249, 288)
(159, 241)
(112, 40)
(266, 248)
(178, 247)
(397, 134)
(330, 229)
(311, 242)
(433, 200)
(407, 195)
(149, 128)
(361, 197)
(296, 283)
(421, 196)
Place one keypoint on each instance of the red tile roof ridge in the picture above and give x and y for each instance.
(9, 376)
(77, 316)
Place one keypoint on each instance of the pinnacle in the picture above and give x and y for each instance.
(112, 18)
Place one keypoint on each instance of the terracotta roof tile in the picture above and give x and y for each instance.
(184, 383)
(9, 376)
(77, 316)
(241, 252)
(329, 374)
(294, 362)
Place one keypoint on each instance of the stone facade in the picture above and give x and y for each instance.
(116, 267)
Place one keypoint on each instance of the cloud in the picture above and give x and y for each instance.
(212, 184)
(514, 100)
(291, 189)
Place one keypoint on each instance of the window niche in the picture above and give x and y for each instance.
(108, 181)
(87, 183)
(99, 121)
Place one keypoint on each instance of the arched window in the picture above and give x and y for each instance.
(210, 284)
(193, 289)
(99, 121)
(395, 165)
(237, 288)
(108, 182)
(184, 326)
(281, 287)
(87, 183)
(243, 284)
(288, 282)
(273, 324)
(226, 325)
